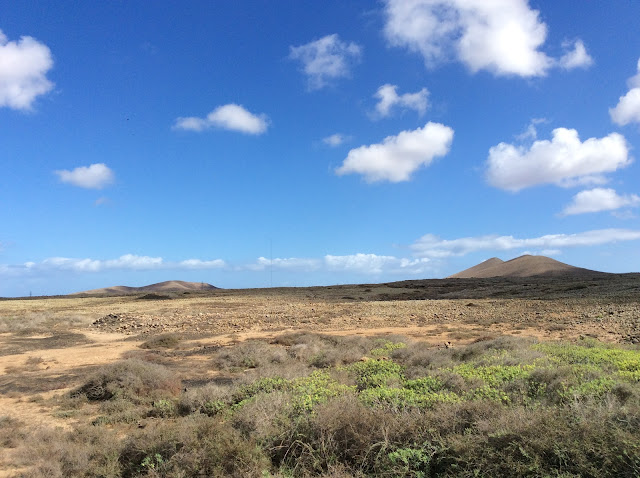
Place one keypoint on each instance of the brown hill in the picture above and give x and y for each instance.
(164, 287)
(523, 266)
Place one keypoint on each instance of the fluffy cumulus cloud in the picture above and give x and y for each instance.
(231, 117)
(431, 246)
(335, 140)
(95, 176)
(576, 57)
(565, 160)
(388, 99)
(23, 71)
(398, 157)
(628, 108)
(599, 199)
(500, 36)
(326, 59)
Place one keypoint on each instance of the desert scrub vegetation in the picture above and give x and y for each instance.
(162, 341)
(498, 407)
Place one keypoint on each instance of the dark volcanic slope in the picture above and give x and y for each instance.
(523, 266)
(167, 286)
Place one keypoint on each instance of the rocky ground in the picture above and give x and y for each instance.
(48, 345)
(611, 321)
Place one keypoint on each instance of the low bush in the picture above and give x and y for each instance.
(209, 400)
(249, 355)
(323, 351)
(192, 447)
(498, 407)
(162, 341)
(12, 432)
(133, 380)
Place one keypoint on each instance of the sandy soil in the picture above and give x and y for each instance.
(47, 346)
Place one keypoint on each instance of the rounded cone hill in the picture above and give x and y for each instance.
(167, 286)
(523, 266)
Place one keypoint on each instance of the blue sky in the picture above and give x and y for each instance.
(300, 143)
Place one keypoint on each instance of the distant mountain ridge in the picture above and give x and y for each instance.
(166, 286)
(523, 266)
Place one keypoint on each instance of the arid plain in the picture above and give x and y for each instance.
(49, 346)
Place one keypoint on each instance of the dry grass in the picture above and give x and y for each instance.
(261, 401)
(132, 380)
(495, 418)
(163, 341)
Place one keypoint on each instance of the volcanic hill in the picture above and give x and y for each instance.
(160, 287)
(523, 266)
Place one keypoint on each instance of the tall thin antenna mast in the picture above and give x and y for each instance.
(271, 260)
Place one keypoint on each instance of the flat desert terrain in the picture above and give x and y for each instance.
(49, 346)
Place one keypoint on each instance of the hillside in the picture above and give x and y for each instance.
(523, 266)
(160, 287)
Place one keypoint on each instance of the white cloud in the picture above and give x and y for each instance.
(363, 263)
(628, 108)
(231, 117)
(564, 160)
(500, 36)
(23, 69)
(550, 252)
(95, 176)
(634, 81)
(366, 264)
(126, 262)
(131, 261)
(291, 263)
(575, 58)
(335, 140)
(360, 263)
(531, 132)
(372, 264)
(325, 59)
(599, 199)
(389, 98)
(397, 157)
(191, 123)
(200, 264)
(432, 246)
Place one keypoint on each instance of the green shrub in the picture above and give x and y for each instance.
(624, 361)
(163, 409)
(376, 373)
(411, 462)
(191, 447)
(402, 398)
(499, 407)
(387, 348)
